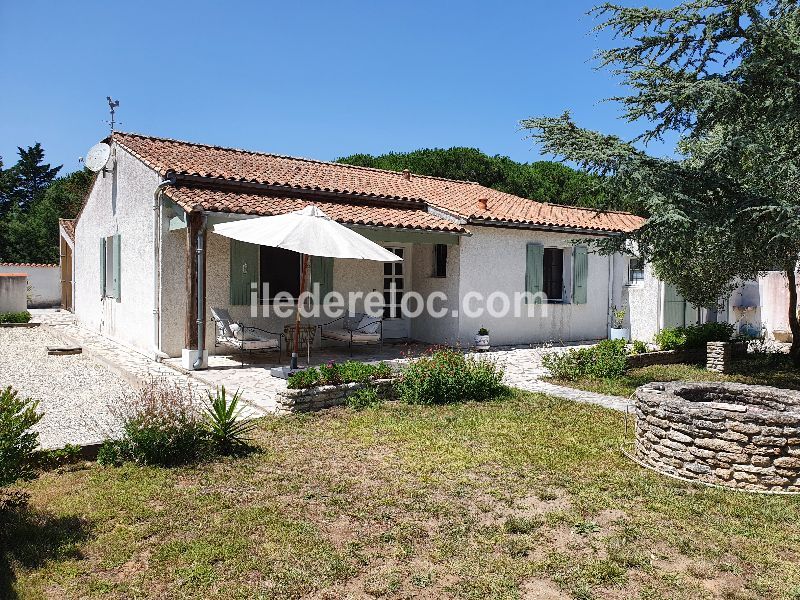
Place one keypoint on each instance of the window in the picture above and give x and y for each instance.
(635, 270)
(280, 269)
(553, 274)
(393, 286)
(440, 260)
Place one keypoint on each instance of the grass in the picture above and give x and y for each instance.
(525, 495)
(776, 370)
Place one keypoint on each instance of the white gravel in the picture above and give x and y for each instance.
(74, 392)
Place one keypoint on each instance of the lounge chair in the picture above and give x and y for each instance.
(359, 328)
(240, 337)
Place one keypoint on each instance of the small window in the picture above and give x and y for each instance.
(553, 274)
(281, 270)
(635, 270)
(440, 260)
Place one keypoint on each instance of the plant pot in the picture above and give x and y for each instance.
(482, 342)
(619, 333)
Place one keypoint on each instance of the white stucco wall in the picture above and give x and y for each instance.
(119, 203)
(494, 259)
(425, 328)
(44, 283)
(641, 300)
(12, 292)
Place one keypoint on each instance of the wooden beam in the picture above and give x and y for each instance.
(193, 222)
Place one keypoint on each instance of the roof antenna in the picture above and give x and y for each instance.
(112, 106)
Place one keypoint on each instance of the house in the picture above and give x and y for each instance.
(151, 211)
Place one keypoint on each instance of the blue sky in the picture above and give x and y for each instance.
(317, 79)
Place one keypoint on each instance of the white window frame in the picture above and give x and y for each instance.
(394, 308)
(630, 270)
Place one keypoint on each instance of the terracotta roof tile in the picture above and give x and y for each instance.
(459, 198)
(343, 212)
(68, 225)
(10, 264)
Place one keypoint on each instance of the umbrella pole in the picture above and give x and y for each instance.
(303, 271)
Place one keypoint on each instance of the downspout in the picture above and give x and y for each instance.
(610, 290)
(201, 309)
(159, 355)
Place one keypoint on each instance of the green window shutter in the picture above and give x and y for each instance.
(322, 273)
(674, 307)
(102, 267)
(116, 264)
(534, 269)
(244, 271)
(580, 274)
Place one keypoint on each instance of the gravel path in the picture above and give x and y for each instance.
(74, 391)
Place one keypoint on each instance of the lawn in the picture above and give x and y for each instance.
(769, 369)
(527, 496)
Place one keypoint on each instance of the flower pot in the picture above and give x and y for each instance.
(482, 342)
(619, 333)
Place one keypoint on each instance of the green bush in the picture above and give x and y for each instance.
(15, 317)
(229, 434)
(333, 373)
(160, 427)
(693, 336)
(18, 443)
(365, 397)
(445, 376)
(605, 360)
(639, 347)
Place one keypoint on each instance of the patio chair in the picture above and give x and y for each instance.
(359, 328)
(242, 338)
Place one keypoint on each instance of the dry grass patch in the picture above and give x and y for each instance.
(523, 497)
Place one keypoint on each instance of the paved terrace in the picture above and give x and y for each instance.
(522, 365)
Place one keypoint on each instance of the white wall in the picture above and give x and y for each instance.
(12, 293)
(494, 259)
(119, 203)
(642, 300)
(424, 327)
(44, 283)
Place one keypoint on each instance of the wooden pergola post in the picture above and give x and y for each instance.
(194, 225)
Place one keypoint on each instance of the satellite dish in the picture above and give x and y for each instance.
(97, 157)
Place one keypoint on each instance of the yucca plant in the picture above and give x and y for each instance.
(228, 432)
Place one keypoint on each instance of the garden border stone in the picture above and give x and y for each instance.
(325, 396)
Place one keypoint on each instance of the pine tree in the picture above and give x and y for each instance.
(725, 75)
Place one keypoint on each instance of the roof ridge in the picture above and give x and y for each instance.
(288, 156)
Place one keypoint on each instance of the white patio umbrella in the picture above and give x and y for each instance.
(311, 233)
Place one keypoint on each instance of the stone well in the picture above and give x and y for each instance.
(729, 434)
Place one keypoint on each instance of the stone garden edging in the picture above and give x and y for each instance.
(324, 396)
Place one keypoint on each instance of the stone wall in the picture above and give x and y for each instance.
(666, 357)
(324, 396)
(728, 434)
(719, 356)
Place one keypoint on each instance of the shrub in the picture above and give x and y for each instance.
(18, 442)
(639, 347)
(693, 336)
(228, 432)
(15, 317)
(365, 397)
(333, 373)
(52, 459)
(605, 360)
(12, 499)
(160, 427)
(446, 376)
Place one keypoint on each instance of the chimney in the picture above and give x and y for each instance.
(406, 174)
(483, 204)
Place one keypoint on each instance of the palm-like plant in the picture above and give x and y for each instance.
(228, 432)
